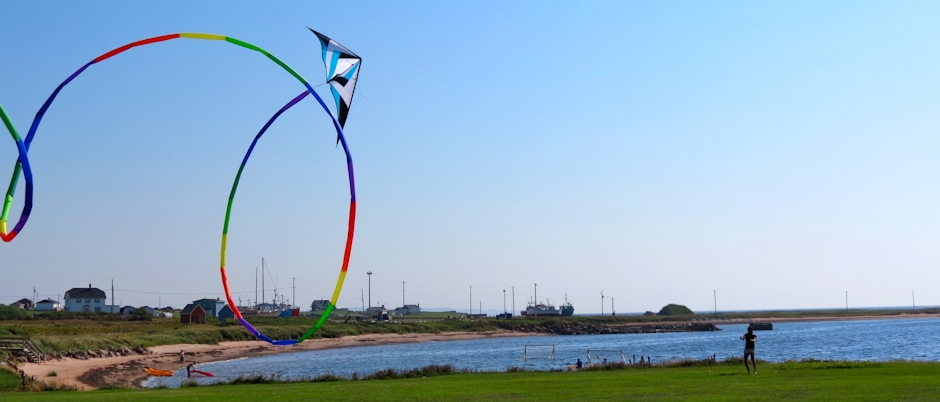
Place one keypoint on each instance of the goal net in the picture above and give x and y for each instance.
(539, 352)
(599, 356)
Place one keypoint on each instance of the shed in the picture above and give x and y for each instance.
(193, 314)
(226, 312)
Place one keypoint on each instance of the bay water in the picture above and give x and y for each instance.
(858, 340)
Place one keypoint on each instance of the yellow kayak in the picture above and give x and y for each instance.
(158, 373)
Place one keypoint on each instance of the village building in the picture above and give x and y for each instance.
(408, 309)
(85, 300)
(193, 314)
(48, 305)
(226, 312)
(319, 305)
(24, 303)
(211, 306)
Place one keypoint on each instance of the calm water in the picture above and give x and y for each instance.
(912, 339)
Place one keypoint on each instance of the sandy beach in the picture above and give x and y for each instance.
(127, 371)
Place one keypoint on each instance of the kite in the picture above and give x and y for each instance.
(342, 73)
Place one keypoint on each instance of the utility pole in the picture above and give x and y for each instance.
(846, 300)
(715, 296)
(480, 311)
(112, 296)
(504, 301)
(370, 289)
(294, 294)
(602, 303)
(262, 280)
(513, 300)
(403, 295)
(256, 287)
(471, 300)
(363, 296)
(613, 311)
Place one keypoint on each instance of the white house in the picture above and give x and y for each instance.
(48, 305)
(85, 299)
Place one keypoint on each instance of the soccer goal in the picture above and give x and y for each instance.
(539, 352)
(599, 356)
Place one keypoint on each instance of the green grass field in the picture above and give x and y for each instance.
(788, 381)
(8, 380)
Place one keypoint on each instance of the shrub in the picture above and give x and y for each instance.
(675, 309)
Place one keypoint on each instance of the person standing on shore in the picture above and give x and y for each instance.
(749, 338)
(182, 356)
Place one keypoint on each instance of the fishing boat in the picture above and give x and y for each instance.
(541, 309)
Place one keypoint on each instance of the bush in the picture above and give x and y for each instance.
(675, 309)
(13, 313)
(140, 315)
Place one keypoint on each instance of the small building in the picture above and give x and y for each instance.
(127, 310)
(48, 305)
(193, 314)
(24, 303)
(408, 309)
(211, 306)
(85, 300)
(226, 312)
(319, 305)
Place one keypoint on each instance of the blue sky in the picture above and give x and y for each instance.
(780, 153)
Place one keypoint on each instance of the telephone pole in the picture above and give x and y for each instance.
(715, 296)
(293, 300)
(846, 300)
(403, 295)
(471, 300)
(613, 311)
(504, 301)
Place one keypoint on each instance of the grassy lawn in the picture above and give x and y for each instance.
(8, 380)
(788, 381)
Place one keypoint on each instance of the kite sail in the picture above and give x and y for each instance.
(342, 72)
(342, 84)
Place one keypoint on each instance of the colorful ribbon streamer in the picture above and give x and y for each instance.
(23, 168)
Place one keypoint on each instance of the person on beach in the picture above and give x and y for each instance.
(182, 356)
(749, 338)
(579, 364)
(189, 369)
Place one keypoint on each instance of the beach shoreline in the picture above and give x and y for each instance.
(127, 371)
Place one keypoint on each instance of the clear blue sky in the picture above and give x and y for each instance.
(779, 153)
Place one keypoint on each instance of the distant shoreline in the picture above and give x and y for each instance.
(772, 319)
